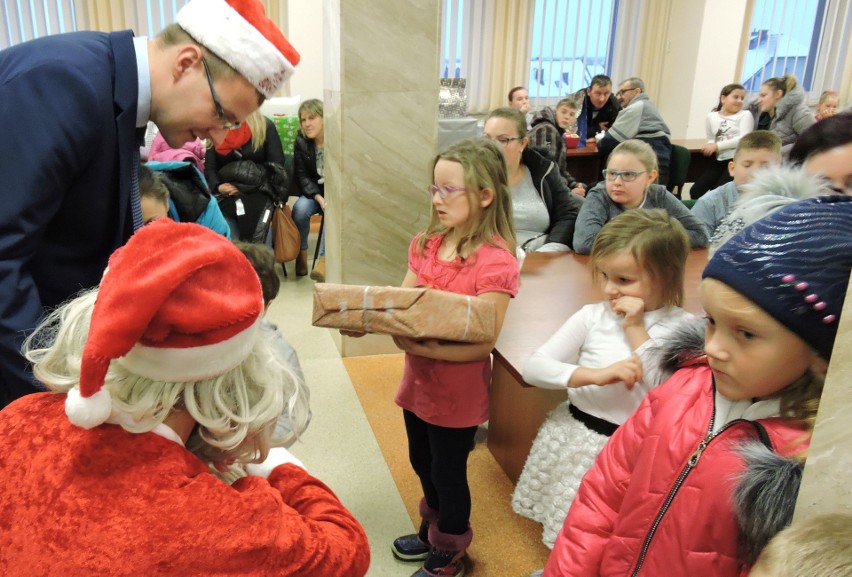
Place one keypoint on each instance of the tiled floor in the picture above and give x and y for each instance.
(339, 447)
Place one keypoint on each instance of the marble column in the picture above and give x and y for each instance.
(825, 485)
(381, 109)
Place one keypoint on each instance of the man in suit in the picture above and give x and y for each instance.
(73, 106)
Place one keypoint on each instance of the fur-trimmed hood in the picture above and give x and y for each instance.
(766, 192)
(683, 346)
(546, 114)
(764, 496)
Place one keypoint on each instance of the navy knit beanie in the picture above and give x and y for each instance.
(794, 264)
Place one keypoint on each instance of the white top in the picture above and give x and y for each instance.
(726, 131)
(594, 338)
(728, 410)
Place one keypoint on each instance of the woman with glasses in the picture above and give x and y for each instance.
(544, 210)
(629, 183)
(236, 172)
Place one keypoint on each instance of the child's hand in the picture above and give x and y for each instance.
(628, 371)
(709, 149)
(353, 334)
(632, 309)
(421, 347)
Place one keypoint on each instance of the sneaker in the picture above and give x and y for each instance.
(440, 563)
(410, 548)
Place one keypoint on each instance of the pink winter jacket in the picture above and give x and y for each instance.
(192, 151)
(658, 499)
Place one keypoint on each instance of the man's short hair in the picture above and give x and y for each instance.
(601, 80)
(636, 82)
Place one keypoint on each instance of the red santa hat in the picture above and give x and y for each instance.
(238, 32)
(178, 303)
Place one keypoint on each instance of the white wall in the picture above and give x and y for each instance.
(702, 46)
(305, 32)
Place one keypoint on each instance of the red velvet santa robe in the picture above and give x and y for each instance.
(105, 502)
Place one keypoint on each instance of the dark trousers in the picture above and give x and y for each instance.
(715, 176)
(439, 457)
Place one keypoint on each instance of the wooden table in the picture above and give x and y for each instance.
(553, 287)
(585, 164)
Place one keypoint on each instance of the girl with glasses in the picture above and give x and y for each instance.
(629, 183)
(468, 248)
(544, 209)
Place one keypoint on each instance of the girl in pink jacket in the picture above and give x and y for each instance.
(674, 490)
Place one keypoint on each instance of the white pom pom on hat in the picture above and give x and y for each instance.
(178, 303)
(239, 32)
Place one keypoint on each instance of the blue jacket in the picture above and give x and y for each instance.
(68, 108)
(189, 196)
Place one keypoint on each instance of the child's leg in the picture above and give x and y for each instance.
(420, 456)
(450, 448)
(415, 547)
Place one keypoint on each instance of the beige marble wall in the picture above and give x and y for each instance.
(826, 487)
(381, 109)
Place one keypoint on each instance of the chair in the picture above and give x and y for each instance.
(678, 168)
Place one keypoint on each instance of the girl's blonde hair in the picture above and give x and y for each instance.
(641, 150)
(236, 411)
(800, 399)
(484, 167)
(257, 124)
(826, 94)
(313, 107)
(658, 243)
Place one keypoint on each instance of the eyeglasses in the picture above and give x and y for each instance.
(220, 113)
(443, 191)
(504, 140)
(626, 175)
(620, 93)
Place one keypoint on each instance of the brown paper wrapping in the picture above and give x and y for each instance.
(410, 312)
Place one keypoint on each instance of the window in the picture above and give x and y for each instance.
(784, 39)
(24, 20)
(557, 45)
(571, 43)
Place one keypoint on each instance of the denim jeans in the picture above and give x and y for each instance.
(302, 211)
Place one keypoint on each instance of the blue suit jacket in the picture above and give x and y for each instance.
(68, 112)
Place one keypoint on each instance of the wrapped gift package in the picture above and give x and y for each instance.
(410, 312)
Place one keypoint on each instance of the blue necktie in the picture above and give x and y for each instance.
(135, 198)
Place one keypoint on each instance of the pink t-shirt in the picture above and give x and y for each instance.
(446, 393)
